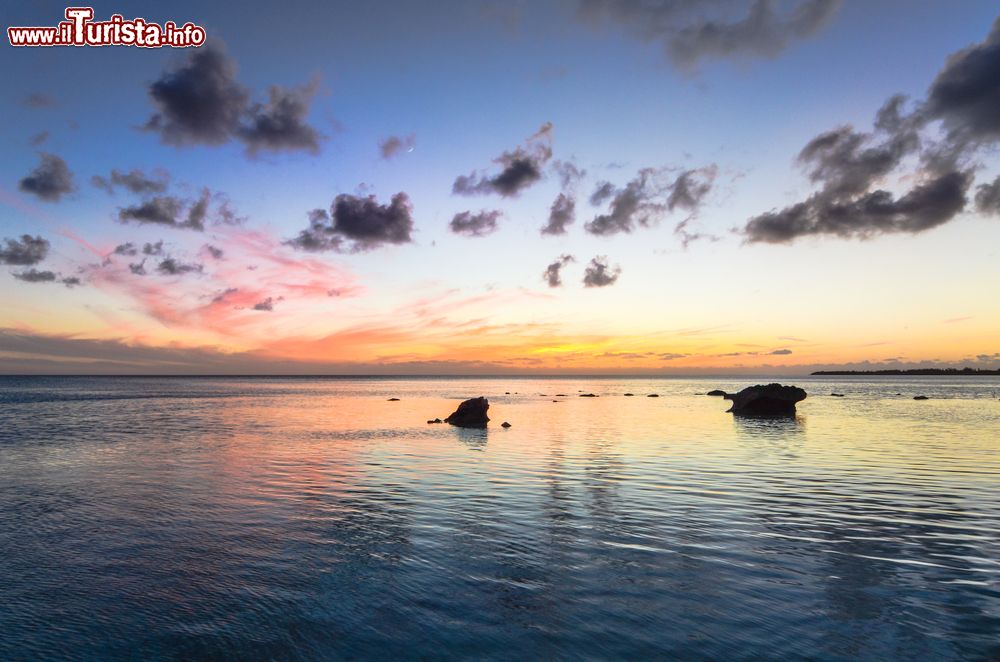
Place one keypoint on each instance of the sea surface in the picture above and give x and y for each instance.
(237, 518)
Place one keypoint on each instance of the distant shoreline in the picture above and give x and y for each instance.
(917, 372)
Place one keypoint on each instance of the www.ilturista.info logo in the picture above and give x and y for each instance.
(79, 29)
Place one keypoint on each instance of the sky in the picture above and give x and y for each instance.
(569, 186)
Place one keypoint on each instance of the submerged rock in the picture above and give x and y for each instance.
(769, 400)
(393, 399)
(436, 420)
(653, 395)
(505, 424)
(470, 414)
(920, 397)
(836, 395)
(629, 395)
(587, 395)
(716, 392)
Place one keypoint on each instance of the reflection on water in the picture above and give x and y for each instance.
(304, 518)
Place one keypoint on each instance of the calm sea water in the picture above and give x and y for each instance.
(313, 519)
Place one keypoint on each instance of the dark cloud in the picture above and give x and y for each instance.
(520, 168)
(393, 145)
(965, 94)
(38, 138)
(561, 214)
(694, 30)
(849, 165)
(356, 224)
(201, 102)
(135, 181)
(988, 198)
(280, 124)
(265, 305)
(599, 274)
(35, 276)
(649, 196)
(225, 294)
(172, 267)
(24, 252)
(552, 274)
(128, 249)
(39, 100)
(39, 276)
(780, 352)
(50, 180)
(138, 268)
(569, 174)
(216, 252)
(170, 211)
(153, 249)
(475, 225)
(925, 206)
(602, 193)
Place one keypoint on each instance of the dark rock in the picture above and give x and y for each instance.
(505, 424)
(716, 392)
(920, 397)
(470, 414)
(560, 395)
(769, 400)
(836, 395)
(506, 392)
(436, 420)
(653, 395)
(393, 399)
(629, 395)
(587, 395)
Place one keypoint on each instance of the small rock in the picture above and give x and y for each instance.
(393, 399)
(836, 395)
(560, 395)
(920, 397)
(470, 414)
(436, 420)
(653, 395)
(629, 395)
(717, 392)
(505, 424)
(587, 395)
(506, 392)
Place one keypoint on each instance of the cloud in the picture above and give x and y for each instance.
(362, 221)
(602, 193)
(50, 180)
(135, 181)
(37, 139)
(521, 168)
(552, 274)
(925, 206)
(265, 305)
(38, 276)
(394, 145)
(697, 30)
(24, 252)
(561, 214)
(201, 102)
(780, 352)
(649, 196)
(171, 211)
(214, 251)
(39, 100)
(475, 225)
(153, 249)
(280, 124)
(172, 267)
(569, 174)
(988, 198)
(599, 274)
(127, 249)
(138, 268)
(965, 94)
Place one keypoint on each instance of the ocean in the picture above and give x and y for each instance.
(312, 518)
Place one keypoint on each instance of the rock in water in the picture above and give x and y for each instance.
(920, 397)
(505, 424)
(770, 400)
(470, 414)
(716, 392)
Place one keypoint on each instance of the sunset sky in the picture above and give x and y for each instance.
(578, 186)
